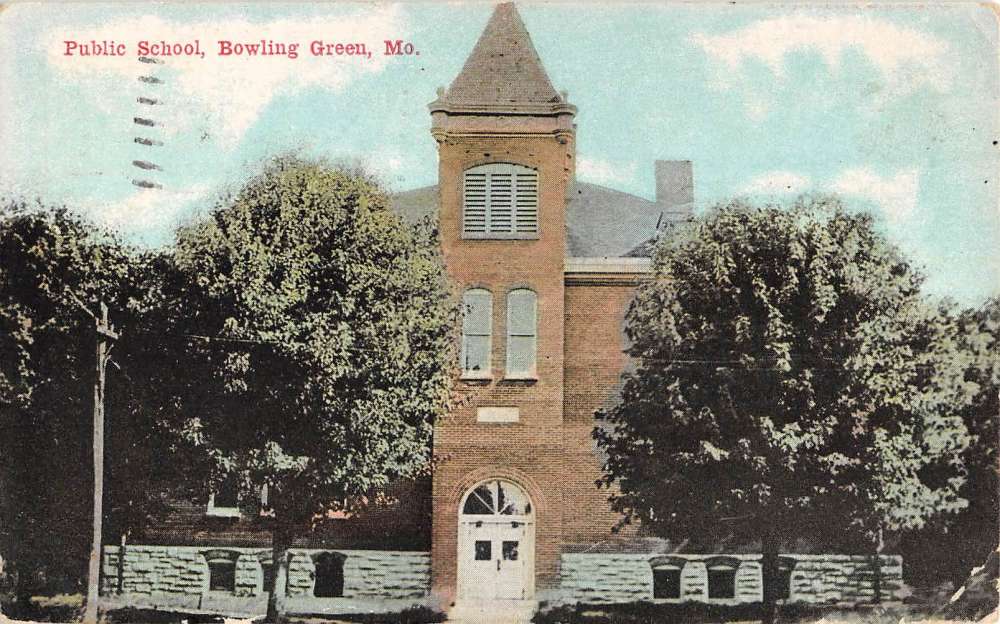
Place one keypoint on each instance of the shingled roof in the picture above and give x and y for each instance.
(600, 222)
(504, 67)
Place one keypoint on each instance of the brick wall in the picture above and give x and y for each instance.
(595, 344)
(401, 524)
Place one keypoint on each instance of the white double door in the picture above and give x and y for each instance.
(496, 560)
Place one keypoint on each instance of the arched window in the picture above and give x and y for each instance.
(522, 324)
(329, 575)
(722, 577)
(667, 577)
(221, 571)
(477, 332)
(500, 201)
(497, 498)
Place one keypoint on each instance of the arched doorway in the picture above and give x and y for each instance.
(496, 543)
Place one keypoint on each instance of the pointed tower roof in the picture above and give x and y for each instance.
(504, 68)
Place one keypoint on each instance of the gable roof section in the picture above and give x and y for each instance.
(504, 67)
(415, 204)
(600, 222)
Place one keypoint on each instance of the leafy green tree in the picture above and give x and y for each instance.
(979, 531)
(950, 547)
(328, 345)
(53, 264)
(982, 337)
(790, 382)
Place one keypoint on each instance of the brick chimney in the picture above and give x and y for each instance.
(674, 189)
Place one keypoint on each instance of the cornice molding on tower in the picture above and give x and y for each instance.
(545, 109)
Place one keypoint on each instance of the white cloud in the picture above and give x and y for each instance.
(777, 183)
(895, 196)
(906, 58)
(386, 161)
(224, 94)
(147, 210)
(601, 171)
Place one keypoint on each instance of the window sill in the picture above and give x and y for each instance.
(500, 236)
(224, 512)
(474, 376)
(521, 379)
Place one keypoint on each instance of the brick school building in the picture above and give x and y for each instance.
(512, 517)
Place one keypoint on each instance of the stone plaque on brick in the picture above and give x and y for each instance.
(497, 414)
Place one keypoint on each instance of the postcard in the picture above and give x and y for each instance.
(499, 312)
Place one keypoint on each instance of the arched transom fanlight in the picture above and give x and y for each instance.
(497, 498)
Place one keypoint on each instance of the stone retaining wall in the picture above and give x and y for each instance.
(179, 574)
(816, 579)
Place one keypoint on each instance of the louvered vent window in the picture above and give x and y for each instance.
(500, 201)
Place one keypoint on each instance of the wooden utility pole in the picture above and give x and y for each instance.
(105, 334)
(877, 566)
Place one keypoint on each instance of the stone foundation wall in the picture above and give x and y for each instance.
(178, 577)
(180, 574)
(816, 579)
(844, 579)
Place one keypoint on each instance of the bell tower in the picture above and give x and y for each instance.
(506, 148)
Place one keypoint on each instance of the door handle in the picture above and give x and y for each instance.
(498, 565)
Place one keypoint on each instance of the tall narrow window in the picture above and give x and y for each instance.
(500, 201)
(477, 332)
(522, 325)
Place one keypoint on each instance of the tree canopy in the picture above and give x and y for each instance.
(965, 542)
(54, 268)
(325, 349)
(790, 381)
(298, 337)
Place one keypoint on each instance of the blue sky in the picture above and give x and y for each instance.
(892, 107)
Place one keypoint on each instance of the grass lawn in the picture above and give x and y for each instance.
(413, 615)
(69, 608)
(58, 608)
(696, 613)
